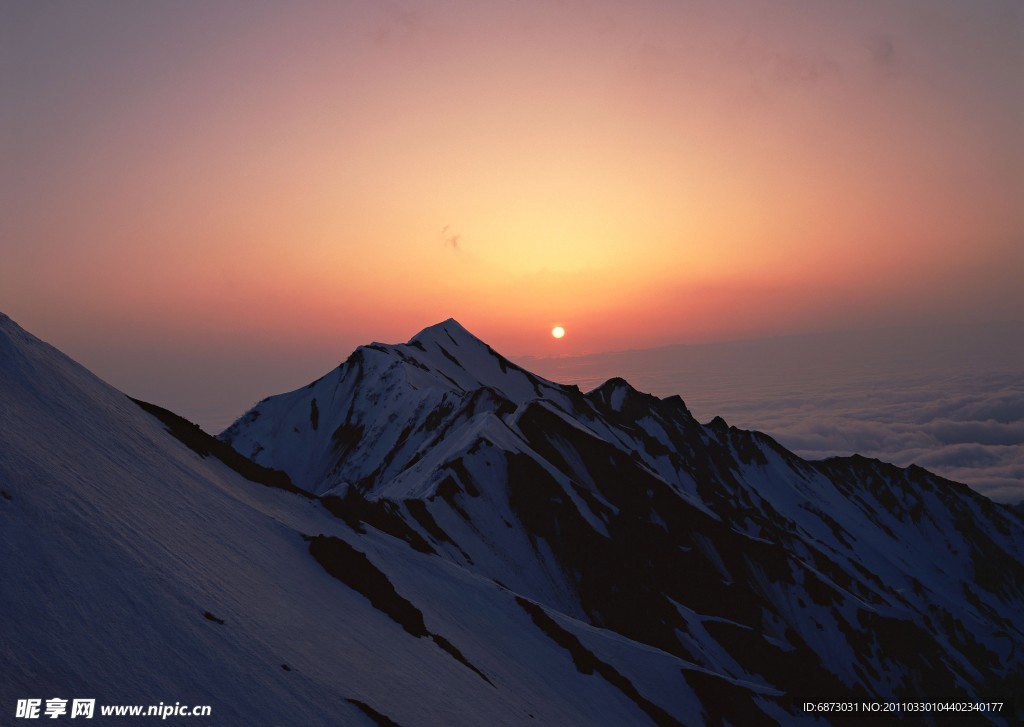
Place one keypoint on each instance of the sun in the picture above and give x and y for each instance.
(557, 331)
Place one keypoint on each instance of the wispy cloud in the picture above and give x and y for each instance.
(450, 239)
(777, 66)
(882, 52)
(399, 25)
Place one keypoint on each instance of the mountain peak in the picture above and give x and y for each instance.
(446, 332)
(462, 495)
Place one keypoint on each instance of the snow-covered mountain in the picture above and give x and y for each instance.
(431, 535)
(762, 573)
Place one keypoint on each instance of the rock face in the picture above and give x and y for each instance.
(430, 534)
(770, 578)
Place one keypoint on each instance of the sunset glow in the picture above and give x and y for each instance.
(558, 332)
(191, 178)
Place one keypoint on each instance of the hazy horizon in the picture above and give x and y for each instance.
(948, 398)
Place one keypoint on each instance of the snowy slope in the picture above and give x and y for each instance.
(848, 577)
(387, 405)
(489, 548)
(123, 550)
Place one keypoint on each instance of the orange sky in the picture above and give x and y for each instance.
(196, 177)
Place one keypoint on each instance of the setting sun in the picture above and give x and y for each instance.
(557, 331)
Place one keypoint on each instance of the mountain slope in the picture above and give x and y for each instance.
(848, 577)
(485, 547)
(137, 571)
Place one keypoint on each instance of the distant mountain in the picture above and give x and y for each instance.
(430, 534)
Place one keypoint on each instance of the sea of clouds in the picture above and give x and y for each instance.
(948, 399)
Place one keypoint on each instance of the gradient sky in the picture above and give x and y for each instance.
(194, 187)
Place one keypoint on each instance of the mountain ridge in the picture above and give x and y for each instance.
(564, 468)
(137, 571)
(473, 545)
